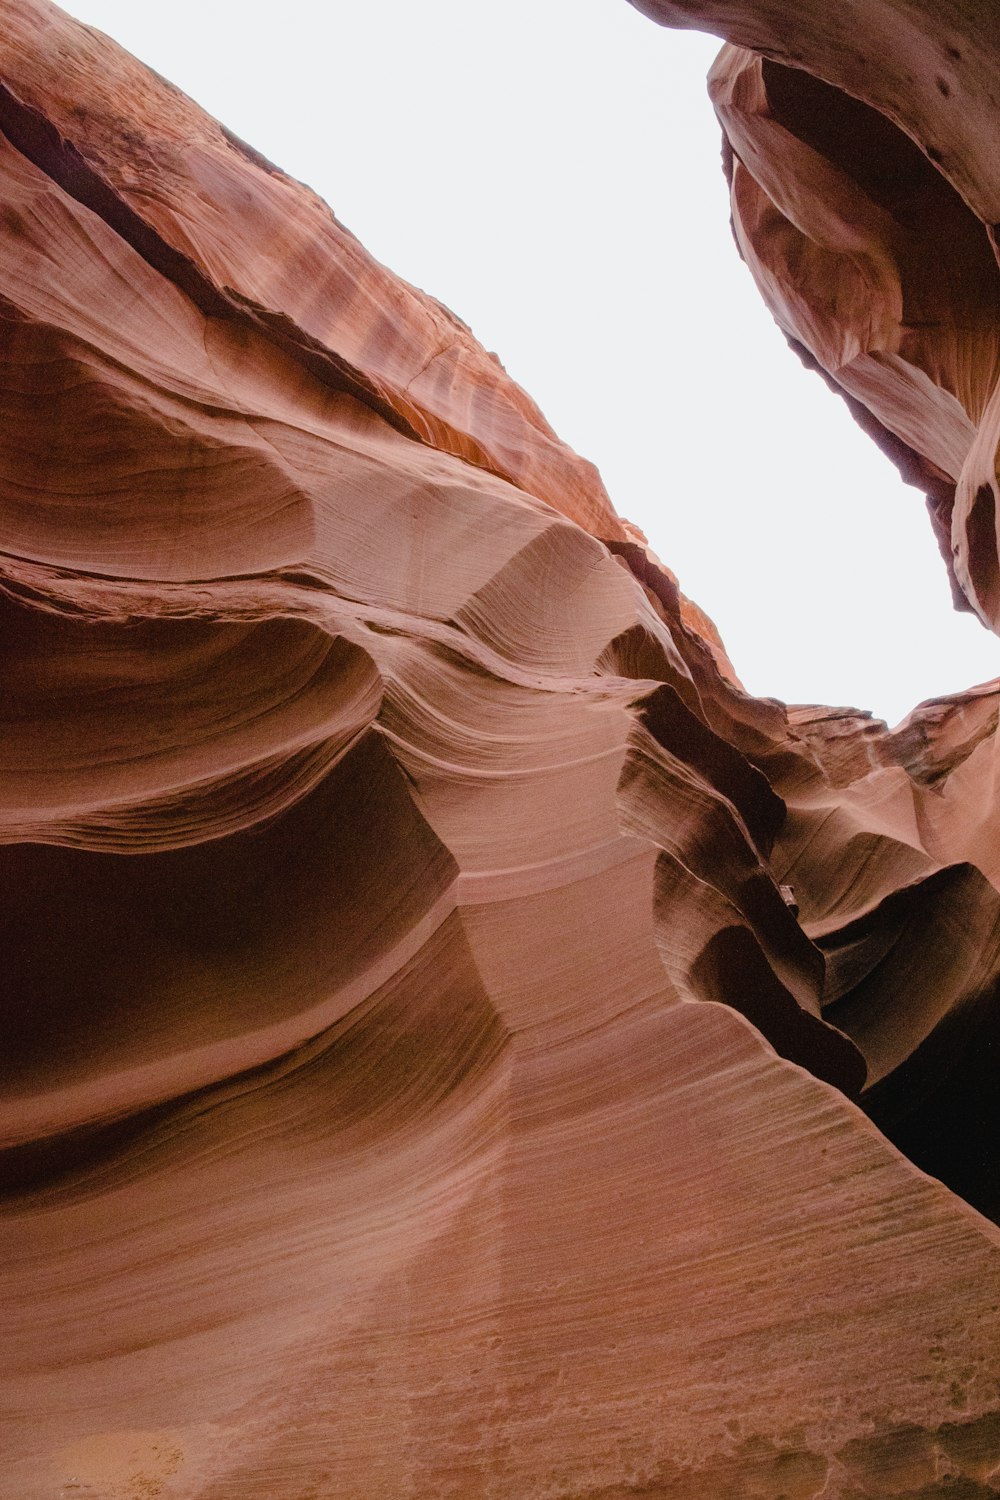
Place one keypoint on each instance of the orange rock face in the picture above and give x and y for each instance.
(456, 1042)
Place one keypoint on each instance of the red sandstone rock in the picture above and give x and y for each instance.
(417, 1079)
(866, 200)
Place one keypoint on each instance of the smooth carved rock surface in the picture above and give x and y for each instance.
(417, 1080)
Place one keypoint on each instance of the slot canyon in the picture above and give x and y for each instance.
(456, 1041)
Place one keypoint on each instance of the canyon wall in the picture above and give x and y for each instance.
(457, 1043)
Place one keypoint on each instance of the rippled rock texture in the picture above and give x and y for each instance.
(456, 1043)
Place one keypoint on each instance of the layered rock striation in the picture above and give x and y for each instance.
(457, 1043)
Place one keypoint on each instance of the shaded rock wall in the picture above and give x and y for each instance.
(452, 1034)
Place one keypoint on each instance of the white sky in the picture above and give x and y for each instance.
(550, 170)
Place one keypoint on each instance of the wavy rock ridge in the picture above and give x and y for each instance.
(455, 1038)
